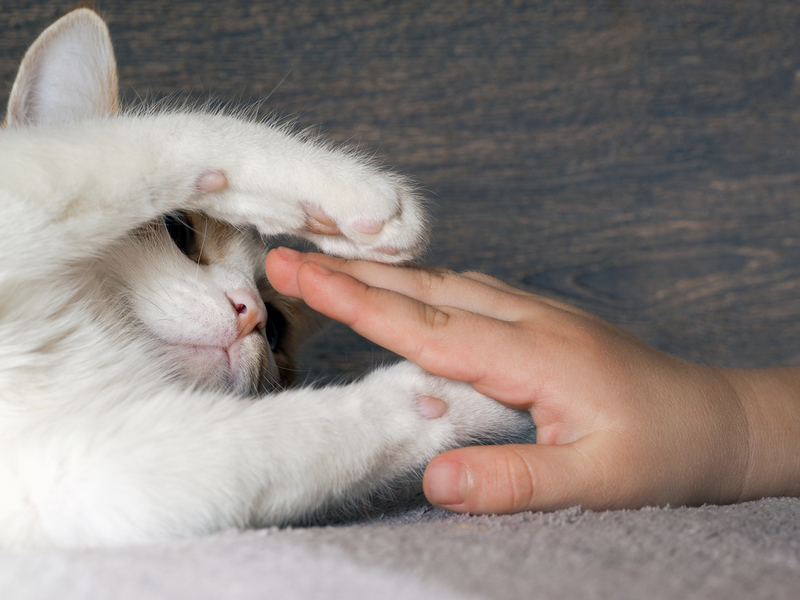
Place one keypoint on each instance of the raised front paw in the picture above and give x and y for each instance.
(286, 184)
(387, 223)
(376, 216)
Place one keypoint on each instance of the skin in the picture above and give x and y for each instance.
(619, 424)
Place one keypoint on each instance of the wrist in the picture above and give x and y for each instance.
(770, 399)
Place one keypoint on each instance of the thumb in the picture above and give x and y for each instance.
(513, 478)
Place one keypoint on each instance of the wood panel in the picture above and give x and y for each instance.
(637, 158)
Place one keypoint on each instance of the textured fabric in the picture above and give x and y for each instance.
(744, 551)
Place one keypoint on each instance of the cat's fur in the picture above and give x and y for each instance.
(134, 359)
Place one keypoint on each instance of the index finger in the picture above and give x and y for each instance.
(491, 354)
(472, 291)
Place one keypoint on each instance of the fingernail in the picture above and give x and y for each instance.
(288, 253)
(447, 482)
(319, 268)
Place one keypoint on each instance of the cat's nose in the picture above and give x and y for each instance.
(250, 311)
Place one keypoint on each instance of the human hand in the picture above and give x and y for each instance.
(619, 424)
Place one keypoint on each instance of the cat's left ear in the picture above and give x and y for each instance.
(68, 74)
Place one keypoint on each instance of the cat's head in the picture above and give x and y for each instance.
(194, 287)
(197, 287)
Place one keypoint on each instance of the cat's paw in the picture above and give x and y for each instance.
(385, 223)
(376, 216)
(284, 184)
(449, 414)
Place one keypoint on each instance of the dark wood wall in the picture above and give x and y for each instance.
(636, 158)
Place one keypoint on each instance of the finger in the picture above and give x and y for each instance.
(493, 282)
(431, 286)
(281, 267)
(282, 264)
(446, 341)
(514, 478)
(542, 300)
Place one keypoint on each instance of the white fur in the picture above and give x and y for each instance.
(101, 441)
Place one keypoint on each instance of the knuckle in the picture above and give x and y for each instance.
(428, 346)
(345, 265)
(508, 484)
(577, 336)
(520, 480)
(432, 279)
(434, 318)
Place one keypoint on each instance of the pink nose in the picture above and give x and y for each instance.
(250, 311)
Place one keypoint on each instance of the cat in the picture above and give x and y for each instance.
(145, 362)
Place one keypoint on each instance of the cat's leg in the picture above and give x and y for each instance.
(186, 464)
(75, 188)
(359, 438)
(262, 175)
(65, 151)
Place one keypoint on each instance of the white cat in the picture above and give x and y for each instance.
(136, 348)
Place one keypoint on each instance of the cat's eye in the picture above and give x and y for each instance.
(180, 230)
(276, 327)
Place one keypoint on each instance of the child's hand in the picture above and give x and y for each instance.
(619, 424)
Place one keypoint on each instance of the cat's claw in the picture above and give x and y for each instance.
(318, 222)
(342, 237)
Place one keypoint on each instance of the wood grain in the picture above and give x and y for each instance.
(636, 158)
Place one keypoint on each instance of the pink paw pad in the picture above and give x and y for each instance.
(367, 225)
(213, 181)
(430, 407)
(319, 222)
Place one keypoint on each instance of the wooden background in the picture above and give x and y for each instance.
(636, 158)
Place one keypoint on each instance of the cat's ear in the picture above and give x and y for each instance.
(68, 74)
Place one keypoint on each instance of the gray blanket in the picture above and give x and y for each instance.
(745, 551)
